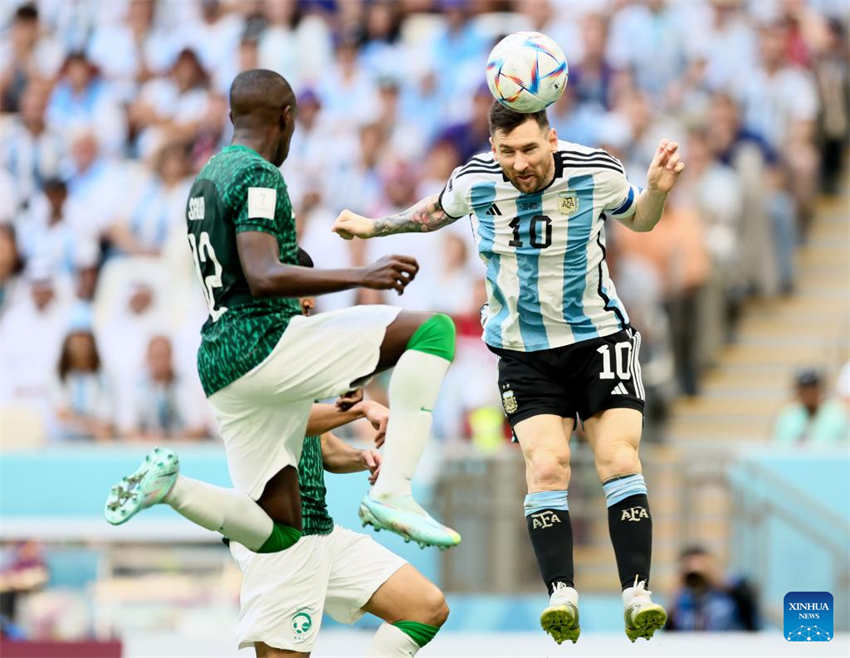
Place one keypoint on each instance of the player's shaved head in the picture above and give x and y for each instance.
(262, 109)
(259, 94)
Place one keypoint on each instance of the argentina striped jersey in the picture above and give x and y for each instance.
(546, 276)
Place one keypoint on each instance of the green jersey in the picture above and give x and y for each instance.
(237, 190)
(315, 519)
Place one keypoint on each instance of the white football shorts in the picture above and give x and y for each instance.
(262, 415)
(284, 594)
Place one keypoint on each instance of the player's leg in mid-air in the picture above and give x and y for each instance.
(614, 435)
(419, 347)
(262, 417)
(544, 439)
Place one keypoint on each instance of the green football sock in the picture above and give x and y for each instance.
(420, 633)
(282, 537)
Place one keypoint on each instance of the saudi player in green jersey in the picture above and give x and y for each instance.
(262, 364)
(332, 569)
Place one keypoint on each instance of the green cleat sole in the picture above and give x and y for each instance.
(561, 623)
(646, 622)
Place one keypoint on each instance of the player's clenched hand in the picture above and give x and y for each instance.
(372, 461)
(665, 167)
(349, 225)
(390, 272)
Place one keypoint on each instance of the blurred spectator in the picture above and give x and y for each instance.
(22, 571)
(159, 207)
(97, 184)
(133, 51)
(10, 263)
(347, 91)
(82, 399)
(811, 419)
(676, 249)
(457, 46)
(171, 107)
(30, 151)
(214, 38)
(82, 98)
(592, 76)
(50, 238)
(832, 73)
(473, 135)
(163, 405)
(25, 57)
(31, 330)
(705, 601)
(781, 104)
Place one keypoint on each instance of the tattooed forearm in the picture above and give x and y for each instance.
(420, 218)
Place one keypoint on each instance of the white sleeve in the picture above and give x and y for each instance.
(454, 199)
(619, 196)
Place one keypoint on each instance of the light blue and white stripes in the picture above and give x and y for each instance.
(541, 500)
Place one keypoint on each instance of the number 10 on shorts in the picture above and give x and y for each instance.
(622, 361)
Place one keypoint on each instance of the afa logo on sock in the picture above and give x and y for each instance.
(807, 617)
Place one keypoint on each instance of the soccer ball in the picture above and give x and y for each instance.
(527, 72)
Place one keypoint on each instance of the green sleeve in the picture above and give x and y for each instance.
(790, 425)
(260, 201)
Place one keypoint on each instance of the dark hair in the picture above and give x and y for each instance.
(693, 550)
(27, 12)
(65, 358)
(304, 259)
(505, 119)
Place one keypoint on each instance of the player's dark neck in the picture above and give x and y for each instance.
(258, 143)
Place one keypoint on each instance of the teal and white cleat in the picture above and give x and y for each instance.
(404, 516)
(147, 486)
(560, 618)
(642, 616)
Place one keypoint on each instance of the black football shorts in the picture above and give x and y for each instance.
(581, 379)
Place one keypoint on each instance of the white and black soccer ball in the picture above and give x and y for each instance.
(527, 72)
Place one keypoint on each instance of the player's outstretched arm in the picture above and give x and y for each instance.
(339, 457)
(422, 217)
(326, 417)
(663, 173)
(268, 277)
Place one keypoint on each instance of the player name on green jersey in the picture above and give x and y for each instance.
(237, 190)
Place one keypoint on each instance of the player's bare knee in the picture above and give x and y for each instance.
(622, 460)
(548, 471)
(435, 608)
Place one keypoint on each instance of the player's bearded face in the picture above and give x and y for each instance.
(526, 155)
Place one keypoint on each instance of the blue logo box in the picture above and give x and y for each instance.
(807, 617)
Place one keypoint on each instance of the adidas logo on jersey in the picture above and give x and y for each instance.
(494, 210)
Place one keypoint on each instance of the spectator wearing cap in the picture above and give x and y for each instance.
(82, 98)
(811, 419)
(81, 399)
(31, 151)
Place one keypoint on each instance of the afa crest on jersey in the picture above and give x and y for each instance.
(568, 203)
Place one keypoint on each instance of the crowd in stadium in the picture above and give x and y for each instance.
(108, 110)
